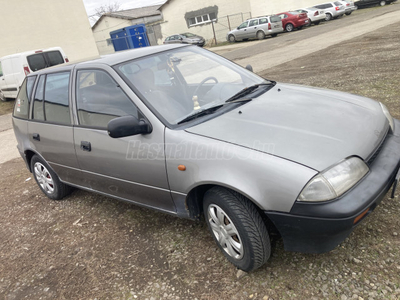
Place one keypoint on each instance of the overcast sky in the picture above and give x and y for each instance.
(91, 5)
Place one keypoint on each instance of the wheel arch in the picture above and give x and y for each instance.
(194, 203)
(29, 153)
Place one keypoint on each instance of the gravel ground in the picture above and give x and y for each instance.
(92, 247)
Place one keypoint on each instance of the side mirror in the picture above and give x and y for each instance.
(127, 126)
(249, 67)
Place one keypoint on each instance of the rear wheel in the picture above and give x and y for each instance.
(328, 17)
(237, 228)
(260, 35)
(231, 38)
(348, 13)
(382, 3)
(289, 27)
(48, 180)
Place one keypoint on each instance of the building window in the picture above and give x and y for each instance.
(207, 18)
(109, 42)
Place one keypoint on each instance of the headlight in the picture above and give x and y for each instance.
(335, 181)
(388, 116)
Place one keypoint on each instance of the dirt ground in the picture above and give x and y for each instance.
(92, 247)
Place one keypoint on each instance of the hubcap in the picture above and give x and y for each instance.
(225, 232)
(44, 178)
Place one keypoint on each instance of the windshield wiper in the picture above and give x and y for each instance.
(249, 90)
(200, 113)
(210, 110)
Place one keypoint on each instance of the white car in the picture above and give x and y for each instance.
(315, 15)
(14, 68)
(332, 10)
(348, 6)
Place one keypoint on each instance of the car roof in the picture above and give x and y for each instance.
(113, 59)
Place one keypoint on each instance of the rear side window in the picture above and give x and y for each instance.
(21, 108)
(36, 62)
(253, 22)
(38, 111)
(56, 98)
(263, 21)
(100, 99)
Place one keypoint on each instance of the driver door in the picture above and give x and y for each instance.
(121, 167)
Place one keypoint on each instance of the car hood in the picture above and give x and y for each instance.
(313, 127)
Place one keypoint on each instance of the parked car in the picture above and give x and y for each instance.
(348, 6)
(185, 38)
(332, 10)
(293, 19)
(367, 3)
(14, 68)
(315, 15)
(185, 131)
(258, 28)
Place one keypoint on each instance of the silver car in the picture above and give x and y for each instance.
(256, 28)
(332, 10)
(182, 130)
(185, 38)
(348, 6)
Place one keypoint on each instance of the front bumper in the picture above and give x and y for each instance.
(320, 227)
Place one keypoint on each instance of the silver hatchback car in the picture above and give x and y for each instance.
(182, 130)
(256, 28)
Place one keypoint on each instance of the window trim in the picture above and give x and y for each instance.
(202, 22)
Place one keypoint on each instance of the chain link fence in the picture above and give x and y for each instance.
(223, 25)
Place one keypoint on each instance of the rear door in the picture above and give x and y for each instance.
(252, 29)
(50, 129)
(42, 60)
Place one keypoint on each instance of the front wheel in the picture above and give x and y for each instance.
(237, 228)
(289, 27)
(48, 180)
(231, 38)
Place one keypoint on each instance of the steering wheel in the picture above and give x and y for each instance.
(203, 82)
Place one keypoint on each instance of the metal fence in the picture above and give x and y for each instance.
(223, 25)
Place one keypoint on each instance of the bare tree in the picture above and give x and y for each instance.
(105, 9)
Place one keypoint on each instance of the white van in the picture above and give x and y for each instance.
(14, 68)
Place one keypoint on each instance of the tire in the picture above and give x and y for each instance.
(246, 244)
(289, 27)
(48, 180)
(317, 22)
(309, 22)
(328, 17)
(231, 38)
(260, 35)
(274, 35)
(382, 3)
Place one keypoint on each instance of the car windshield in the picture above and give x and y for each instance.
(175, 84)
(188, 35)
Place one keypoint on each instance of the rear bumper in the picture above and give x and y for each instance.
(320, 227)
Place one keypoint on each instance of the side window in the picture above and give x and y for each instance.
(56, 103)
(253, 22)
(1, 70)
(243, 25)
(21, 108)
(328, 5)
(263, 21)
(38, 112)
(99, 99)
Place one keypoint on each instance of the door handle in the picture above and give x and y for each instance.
(86, 146)
(255, 27)
(36, 136)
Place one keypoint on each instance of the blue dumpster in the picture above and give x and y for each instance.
(130, 37)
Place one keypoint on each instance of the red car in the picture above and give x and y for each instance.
(293, 19)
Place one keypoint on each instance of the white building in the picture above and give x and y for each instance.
(29, 25)
(179, 16)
